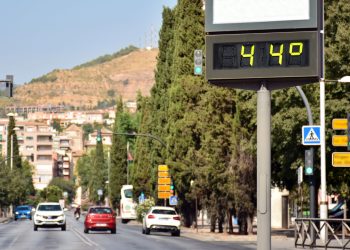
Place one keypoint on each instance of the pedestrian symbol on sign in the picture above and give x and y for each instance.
(311, 136)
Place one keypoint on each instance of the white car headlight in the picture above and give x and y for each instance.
(16, 213)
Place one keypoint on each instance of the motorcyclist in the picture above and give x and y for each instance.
(77, 211)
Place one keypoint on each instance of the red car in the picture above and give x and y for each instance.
(100, 218)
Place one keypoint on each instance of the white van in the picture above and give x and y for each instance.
(127, 204)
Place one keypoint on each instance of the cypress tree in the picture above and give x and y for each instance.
(98, 171)
(118, 166)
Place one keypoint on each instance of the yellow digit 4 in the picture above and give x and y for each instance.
(279, 53)
(298, 52)
(250, 55)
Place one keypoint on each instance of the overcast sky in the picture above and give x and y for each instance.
(38, 36)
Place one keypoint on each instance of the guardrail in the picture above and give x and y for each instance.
(322, 233)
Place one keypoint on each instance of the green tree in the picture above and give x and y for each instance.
(56, 124)
(65, 185)
(51, 194)
(98, 171)
(118, 166)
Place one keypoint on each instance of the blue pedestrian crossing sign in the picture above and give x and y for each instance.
(173, 200)
(311, 135)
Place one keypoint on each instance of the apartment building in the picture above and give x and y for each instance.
(68, 147)
(33, 139)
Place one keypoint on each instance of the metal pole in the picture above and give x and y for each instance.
(264, 168)
(109, 178)
(323, 203)
(196, 213)
(127, 162)
(312, 179)
(11, 151)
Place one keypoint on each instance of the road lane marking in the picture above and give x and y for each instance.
(13, 242)
(85, 239)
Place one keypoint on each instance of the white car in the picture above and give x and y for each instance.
(49, 214)
(161, 219)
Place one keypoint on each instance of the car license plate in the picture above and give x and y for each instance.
(164, 218)
(101, 224)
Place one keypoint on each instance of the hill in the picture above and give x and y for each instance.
(99, 81)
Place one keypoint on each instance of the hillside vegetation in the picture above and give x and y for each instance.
(101, 80)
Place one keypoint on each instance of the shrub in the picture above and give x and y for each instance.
(142, 208)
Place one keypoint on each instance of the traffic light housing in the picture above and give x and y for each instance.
(99, 136)
(9, 85)
(198, 62)
(348, 131)
(32, 157)
(309, 162)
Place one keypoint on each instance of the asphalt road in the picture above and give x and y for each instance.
(19, 235)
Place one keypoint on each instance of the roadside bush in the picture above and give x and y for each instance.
(141, 209)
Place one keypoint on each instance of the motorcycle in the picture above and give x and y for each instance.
(77, 216)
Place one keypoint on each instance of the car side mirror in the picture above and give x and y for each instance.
(65, 209)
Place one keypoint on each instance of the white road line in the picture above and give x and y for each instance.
(13, 242)
(85, 239)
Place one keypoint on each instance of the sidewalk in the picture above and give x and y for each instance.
(4, 219)
(206, 235)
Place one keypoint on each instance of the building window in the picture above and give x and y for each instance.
(29, 129)
(29, 138)
(30, 148)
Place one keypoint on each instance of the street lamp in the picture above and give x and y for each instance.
(191, 183)
(323, 203)
(12, 156)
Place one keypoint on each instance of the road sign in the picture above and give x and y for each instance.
(163, 195)
(339, 124)
(173, 200)
(340, 140)
(163, 188)
(164, 181)
(141, 198)
(341, 159)
(163, 168)
(311, 135)
(163, 174)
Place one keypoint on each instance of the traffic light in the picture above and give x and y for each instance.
(172, 187)
(32, 157)
(9, 85)
(309, 162)
(99, 136)
(198, 62)
(348, 130)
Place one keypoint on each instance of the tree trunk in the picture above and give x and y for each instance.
(212, 223)
(221, 220)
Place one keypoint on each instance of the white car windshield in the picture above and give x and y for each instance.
(49, 208)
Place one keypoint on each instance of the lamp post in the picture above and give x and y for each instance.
(323, 203)
(12, 156)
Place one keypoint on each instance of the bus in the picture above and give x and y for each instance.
(127, 204)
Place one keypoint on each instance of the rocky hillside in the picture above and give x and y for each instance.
(88, 85)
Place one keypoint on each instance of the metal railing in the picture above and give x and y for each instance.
(322, 233)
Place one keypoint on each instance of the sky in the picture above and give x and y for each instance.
(38, 36)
